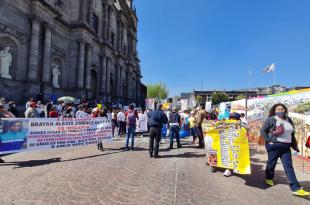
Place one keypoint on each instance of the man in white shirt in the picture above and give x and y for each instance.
(121, 119)
(81, 112)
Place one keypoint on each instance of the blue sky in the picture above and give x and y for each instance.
(182, 43)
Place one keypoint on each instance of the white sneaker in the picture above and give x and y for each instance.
(227, 173)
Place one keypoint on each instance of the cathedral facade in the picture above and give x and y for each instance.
(80, 48)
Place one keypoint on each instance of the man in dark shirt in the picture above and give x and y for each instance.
(175, 124)
(156, 119)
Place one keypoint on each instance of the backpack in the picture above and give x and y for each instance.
(131, 118)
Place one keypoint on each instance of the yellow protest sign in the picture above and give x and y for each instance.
(227, 146)
(166, 106)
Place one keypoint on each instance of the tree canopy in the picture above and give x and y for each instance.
(217, 98)
(158, 90)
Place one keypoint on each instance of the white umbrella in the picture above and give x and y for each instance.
(66, 99)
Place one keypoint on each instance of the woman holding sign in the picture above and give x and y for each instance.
(278, 132)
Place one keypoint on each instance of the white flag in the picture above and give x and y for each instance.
(269, 68)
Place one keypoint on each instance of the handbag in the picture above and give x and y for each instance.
(308, 142)
(279, 130)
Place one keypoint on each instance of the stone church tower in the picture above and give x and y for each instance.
(82, 48)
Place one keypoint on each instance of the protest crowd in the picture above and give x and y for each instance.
(278, 129)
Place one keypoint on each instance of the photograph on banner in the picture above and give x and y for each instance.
(227, 144)
(224, 110)
(13, 135)
(141, 123)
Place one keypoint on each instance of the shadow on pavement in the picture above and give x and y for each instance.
(31, 163)
(34, 163)
(184, 155)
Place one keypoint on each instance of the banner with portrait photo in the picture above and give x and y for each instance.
(18, 135)
(227, 146)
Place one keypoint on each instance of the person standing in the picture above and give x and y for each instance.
(192, 125)
(31, 112)
(201, 115)
(155, 120)
(49, 107)
(121, 119)
(28, 103)
(81, 113)
(132, 116)
(53, 113)
(114, 123)
(279, 134)
(12, 109)
(175, 124)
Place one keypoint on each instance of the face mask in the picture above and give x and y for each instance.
(280, 114)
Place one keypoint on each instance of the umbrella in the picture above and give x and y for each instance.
(66, 99)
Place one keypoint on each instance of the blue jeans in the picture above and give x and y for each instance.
(193, 133)
(174, 132)
(131, 130)
(283, 151)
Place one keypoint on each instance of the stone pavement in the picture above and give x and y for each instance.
(87, 176)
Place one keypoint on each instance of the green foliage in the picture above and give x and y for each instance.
(240, 97)
(302, 108)
(217, 98)
(199, 99)
(158, 90)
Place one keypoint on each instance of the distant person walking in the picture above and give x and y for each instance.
(156, 119)
(279, 133)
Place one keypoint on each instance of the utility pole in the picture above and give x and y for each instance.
(247, 93)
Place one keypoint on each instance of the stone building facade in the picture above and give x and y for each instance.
(82, 48)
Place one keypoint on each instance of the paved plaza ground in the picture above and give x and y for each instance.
(85, 175)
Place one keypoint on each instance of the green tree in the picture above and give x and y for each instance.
(158, 90)
(240, 97)
(217, 98)
(199, 99)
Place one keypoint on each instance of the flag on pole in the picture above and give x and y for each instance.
(269, 68)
